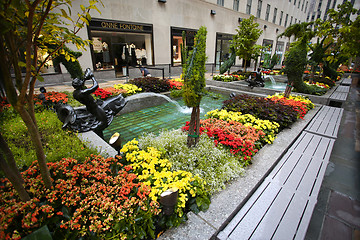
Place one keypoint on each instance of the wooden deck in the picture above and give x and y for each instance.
(282, 206)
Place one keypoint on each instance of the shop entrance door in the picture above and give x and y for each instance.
(121, 58)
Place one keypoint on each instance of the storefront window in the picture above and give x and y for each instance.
(116, 45)
(279, 50)
(223, 42)
(266, 54)
(177, 42)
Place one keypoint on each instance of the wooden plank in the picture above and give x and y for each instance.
(344, 89)
(253, 216)
(306, 195)
(224, 234)
(246, 220)
(346, 81)
(327, 123)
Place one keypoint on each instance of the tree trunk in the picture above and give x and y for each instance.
(8, 165)
(312, 73)
(36, 139)
(194, 127)
(288, 90)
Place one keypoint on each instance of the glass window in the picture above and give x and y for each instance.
(177, 41)
(258, 13)
(299, 3)
(291, 19)
(281, 17)
(116, 50)
(302, 6)
(286, 19)
(220, 2)
(267, 12)
(294, 2)
(266, 53)
(279, 51)
(223, 42)
(248, 6)
(275, 13)
(306, 6)
(236, 5)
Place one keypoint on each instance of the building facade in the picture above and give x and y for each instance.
(149, 32)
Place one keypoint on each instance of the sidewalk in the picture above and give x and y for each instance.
(337, 213)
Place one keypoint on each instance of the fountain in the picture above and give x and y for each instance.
(169, 115)
(182, 109)
(272, 84)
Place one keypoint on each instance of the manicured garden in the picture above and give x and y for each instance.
(97, 197)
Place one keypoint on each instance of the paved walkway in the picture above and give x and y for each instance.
(337, 213)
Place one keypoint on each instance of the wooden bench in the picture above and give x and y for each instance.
(346, 81)
(339, 96)
(326, 122)
(282, 206)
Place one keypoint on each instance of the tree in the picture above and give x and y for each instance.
(342, 31)
(28, 27)
(194, 83)
(244, 41)
(296, 59)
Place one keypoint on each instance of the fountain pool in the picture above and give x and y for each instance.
(154, 119)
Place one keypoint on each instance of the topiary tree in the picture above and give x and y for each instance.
(72, 65)
(229, 62)
(244, 41)
(194, 83)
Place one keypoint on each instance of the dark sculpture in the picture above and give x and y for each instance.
(255, 79)
(96, 115)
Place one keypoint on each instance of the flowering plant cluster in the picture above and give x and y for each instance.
(102, 93)
(51, 98)
(130, 89)
(318, 84)
(243, 141)
(213, 164)
(225, 78)
(151, 84)
(272, 72)
(114, 91)
(4, 104)
(269, 128)
(96, 199)
(176, 83)
(155, 171)
(262, 108)
(300, 104)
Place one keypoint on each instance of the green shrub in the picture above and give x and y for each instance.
(262, 108)
(215, 165)
(57, 143)
(151, 84)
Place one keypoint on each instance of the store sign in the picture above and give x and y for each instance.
(120, 26)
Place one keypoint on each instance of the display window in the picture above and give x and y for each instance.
(177, 42)
(266, 54)
(222, 50)
(279, 51)
(117, 45)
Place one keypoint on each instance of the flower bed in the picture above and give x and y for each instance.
(119, 198)
(95, 199)
(228, 77)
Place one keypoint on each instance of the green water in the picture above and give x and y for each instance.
(154, 119)
(276, 86)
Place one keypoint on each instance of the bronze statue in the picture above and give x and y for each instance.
(96, 115)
